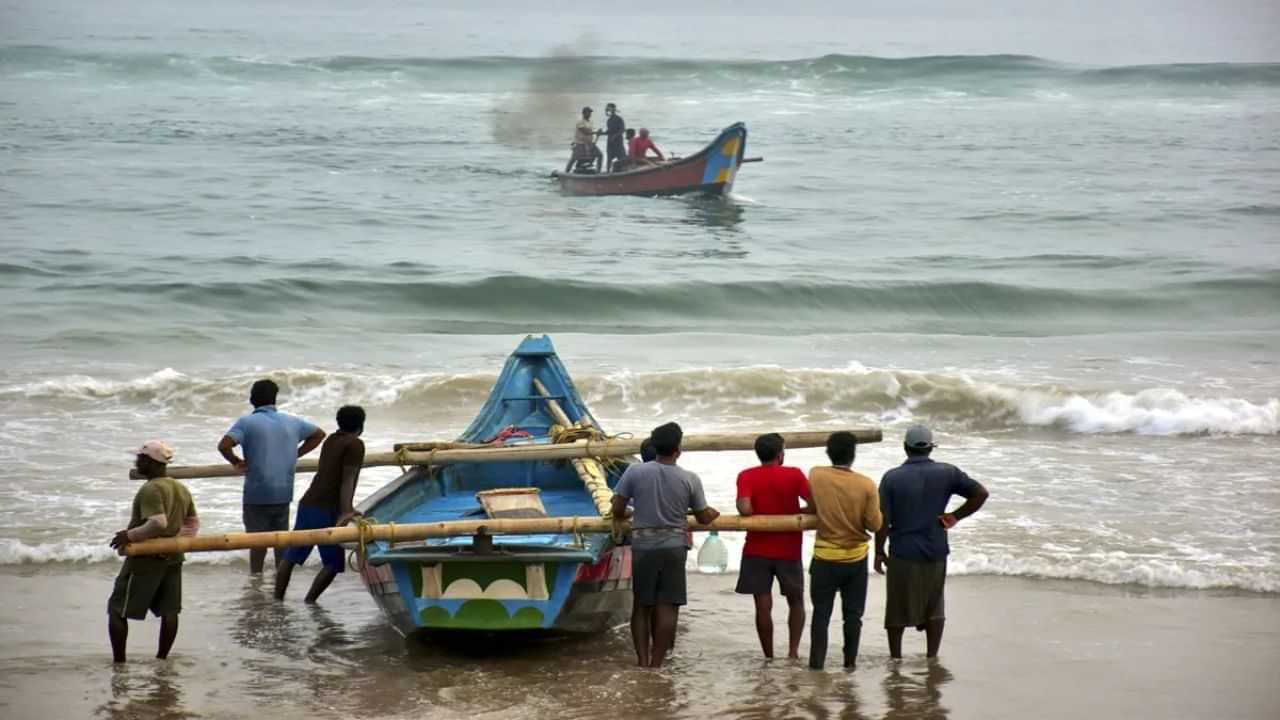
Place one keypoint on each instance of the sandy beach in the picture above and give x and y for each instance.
(1014, 648)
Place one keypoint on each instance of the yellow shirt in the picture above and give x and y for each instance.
(584, 133)
(848, 509)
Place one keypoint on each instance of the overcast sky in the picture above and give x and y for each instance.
(1083, 31)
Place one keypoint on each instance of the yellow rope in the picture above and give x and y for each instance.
(365, 535)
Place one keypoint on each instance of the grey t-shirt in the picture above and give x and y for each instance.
(663, 496)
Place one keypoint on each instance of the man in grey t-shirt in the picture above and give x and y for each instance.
(663, 494)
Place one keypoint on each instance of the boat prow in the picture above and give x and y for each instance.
(710, 171)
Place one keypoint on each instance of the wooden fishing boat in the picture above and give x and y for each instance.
(573, 582)
(710, 171)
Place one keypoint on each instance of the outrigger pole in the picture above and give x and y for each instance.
(396, 533)
(606, 447)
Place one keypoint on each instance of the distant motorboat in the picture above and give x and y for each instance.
(711, 171)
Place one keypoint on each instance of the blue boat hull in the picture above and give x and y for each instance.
(577, 583)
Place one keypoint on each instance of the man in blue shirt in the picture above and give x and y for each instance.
(913, 500)
(272, 441)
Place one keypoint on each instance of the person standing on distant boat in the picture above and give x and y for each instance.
(615, 146)
(162, 508)
(913, 499)
(328, 502)
(772, 488)
(584, 143)
(848, 510)
(663, 493)
(637, 153)
(272, 441)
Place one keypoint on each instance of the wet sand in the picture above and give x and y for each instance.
(1014, 648)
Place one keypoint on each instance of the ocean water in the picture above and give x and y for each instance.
(1065, 258)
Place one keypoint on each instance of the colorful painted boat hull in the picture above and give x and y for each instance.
(576, 583)
(711, 171)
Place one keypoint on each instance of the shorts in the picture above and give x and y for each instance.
(757, 574)
(312, 518)
(266, 518)
(144, 584)
(914, 590)
(658, 576)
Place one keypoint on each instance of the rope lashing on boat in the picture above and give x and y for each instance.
(364, 529)
(364, 537)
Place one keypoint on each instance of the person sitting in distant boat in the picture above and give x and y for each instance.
(663, 494)
(328, 502)
(161, 508)
(637, 155)
(584, 152)
(625, 163)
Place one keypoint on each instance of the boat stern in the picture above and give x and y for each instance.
(502, 593)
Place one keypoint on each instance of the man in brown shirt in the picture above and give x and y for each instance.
(328, 502)
(848, 509)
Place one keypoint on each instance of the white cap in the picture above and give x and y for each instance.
(157, 450)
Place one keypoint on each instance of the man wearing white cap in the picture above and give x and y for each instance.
(913, 500)
(162, 508)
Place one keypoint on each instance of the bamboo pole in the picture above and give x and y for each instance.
(611, 447)
(590, 471)
(422, 531)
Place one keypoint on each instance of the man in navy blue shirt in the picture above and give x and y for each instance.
(913, 500)
(272, 442)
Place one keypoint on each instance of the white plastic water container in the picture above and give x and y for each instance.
(713, 556)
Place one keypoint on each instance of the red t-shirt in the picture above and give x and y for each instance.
(774, 490)
(639, 145)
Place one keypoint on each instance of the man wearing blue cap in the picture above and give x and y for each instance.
(913, 500)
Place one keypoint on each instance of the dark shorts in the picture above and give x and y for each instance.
(312, 518)
(658, 576)
(146, 584)
(266, 518)
(757, 574)
(914, 591)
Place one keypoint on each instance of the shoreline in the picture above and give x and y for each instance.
(1022, 647)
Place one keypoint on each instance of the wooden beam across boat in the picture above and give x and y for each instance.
(590, 471)
(610, 447)
(457, 528)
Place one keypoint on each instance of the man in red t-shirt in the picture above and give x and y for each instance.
(773, 489)
(637, 153)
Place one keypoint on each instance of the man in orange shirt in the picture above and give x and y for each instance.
(773, 489)
(848, 509)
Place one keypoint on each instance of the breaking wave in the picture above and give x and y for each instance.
(762, 394)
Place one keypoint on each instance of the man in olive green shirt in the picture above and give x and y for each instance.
(162, 508)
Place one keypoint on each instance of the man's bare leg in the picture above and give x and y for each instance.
(257, 558)
(118, 630)
(664, 632)
(284, 572)
(168, 633)
(641, 620)
(320, 584)
(795, 625)
(764, 622)
(895, 642)
(933, 636)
